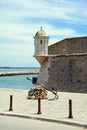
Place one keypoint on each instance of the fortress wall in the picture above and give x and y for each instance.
(69, 46)
(43, 73)
(68, 74)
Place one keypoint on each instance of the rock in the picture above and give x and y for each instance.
(37, 92)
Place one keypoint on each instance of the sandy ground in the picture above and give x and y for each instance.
(56, 109)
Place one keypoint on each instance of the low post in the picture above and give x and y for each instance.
(11, 103)
(39, 106)
(70, 109)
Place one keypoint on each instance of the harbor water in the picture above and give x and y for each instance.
(18, 81)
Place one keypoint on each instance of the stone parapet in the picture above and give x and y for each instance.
(69, 46)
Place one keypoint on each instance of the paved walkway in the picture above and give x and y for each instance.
(56, 110)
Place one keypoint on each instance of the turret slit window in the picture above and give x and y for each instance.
(40, 41)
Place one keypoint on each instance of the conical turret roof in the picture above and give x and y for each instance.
(41, 32)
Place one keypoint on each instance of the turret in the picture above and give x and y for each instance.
(41, 41)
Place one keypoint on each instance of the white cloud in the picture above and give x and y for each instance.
(17, 54)
(66, 10)
(20, 19)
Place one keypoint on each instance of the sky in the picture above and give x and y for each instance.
(21, 19)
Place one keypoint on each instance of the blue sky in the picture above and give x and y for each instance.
(21, 19)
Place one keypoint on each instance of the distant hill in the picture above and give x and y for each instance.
(4, 67)
(19, 67)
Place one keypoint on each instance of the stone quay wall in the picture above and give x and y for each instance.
(19, 73)
(68, 73)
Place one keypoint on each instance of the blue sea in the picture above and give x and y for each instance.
(18, 81)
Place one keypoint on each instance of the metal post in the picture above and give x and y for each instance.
(39, 106)
(11, 102)
(70, 109)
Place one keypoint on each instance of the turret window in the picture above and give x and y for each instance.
(40, 41)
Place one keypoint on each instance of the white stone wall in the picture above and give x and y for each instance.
(41, 49)
(43, 74)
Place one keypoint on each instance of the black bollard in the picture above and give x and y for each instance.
(70, 109)
(11, 102)
(39, 106)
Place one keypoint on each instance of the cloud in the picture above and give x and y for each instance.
(21, 19)
(17, 55)
(64, 9)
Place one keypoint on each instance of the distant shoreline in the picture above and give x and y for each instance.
(19, 67)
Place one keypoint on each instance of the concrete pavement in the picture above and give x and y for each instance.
(54, 111)
(12, 123)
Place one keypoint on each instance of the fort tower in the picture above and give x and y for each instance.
(41, 41)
